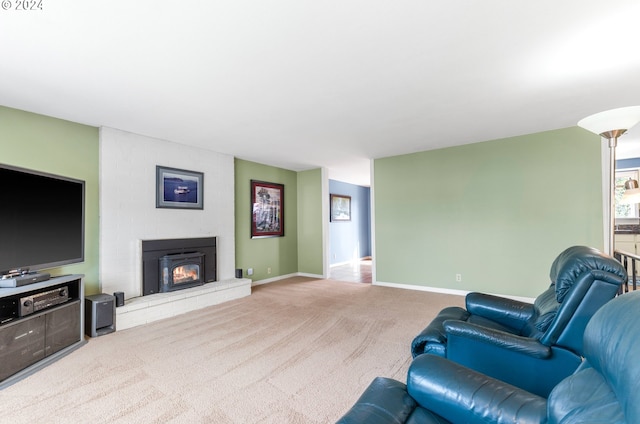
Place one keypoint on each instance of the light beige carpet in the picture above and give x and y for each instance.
(297, 351)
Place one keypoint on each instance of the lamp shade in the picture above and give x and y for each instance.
(615, 119)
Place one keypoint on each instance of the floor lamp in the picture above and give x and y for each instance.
(611, 124)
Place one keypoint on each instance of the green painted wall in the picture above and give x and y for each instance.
(496, 212)
(64, 148)
(310, 242)
(278, 253)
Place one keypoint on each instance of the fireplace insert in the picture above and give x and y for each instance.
(181, 270)
(174, 264)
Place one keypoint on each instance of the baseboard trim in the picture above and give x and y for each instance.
(446, 291)
(304, 274)
(283, 277)
(393, 285)
(421, 288)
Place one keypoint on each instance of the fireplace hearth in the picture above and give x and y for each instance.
(175, 264)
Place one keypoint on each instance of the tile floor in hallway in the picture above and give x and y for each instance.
(357, 272)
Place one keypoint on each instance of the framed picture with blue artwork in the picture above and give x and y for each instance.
(178, 188)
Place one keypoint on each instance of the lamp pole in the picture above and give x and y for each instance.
(601, 124)
(612, 136)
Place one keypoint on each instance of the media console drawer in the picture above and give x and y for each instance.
(30, 342)
(21, 345)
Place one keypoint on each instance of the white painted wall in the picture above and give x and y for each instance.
(128, 211)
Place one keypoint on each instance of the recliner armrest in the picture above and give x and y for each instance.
(500, 339)
(385, 401)
(460, 394)
(508, 312)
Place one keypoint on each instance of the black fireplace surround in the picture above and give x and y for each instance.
(160, 257)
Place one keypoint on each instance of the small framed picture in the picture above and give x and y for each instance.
(267, 209)
(178, 188)
(340, 208)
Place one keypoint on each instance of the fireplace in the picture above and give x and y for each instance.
(175, 264)
(181, 270)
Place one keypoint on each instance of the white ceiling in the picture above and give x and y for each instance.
(302, 84)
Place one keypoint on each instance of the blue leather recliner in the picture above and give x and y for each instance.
(532, 346)
(604, 389)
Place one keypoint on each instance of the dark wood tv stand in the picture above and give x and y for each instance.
(30, 342)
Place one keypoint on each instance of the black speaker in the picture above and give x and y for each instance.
(239, 273)
(99, 314)
(119, 299)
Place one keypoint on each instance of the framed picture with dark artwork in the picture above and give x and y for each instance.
(178, 188)
(340, 207)
(267, 209)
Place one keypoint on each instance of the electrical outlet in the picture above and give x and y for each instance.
(268, 270)
(250, 271)
(458, 277)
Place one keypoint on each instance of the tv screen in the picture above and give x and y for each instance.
(41, 220)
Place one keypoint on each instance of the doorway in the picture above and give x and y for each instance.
(350, 232)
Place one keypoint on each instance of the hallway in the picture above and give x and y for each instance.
(358, 272)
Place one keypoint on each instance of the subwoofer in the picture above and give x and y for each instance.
(99, 314)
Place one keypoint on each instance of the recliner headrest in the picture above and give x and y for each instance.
(575, 261)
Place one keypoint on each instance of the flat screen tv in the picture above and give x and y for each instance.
(41, 220)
